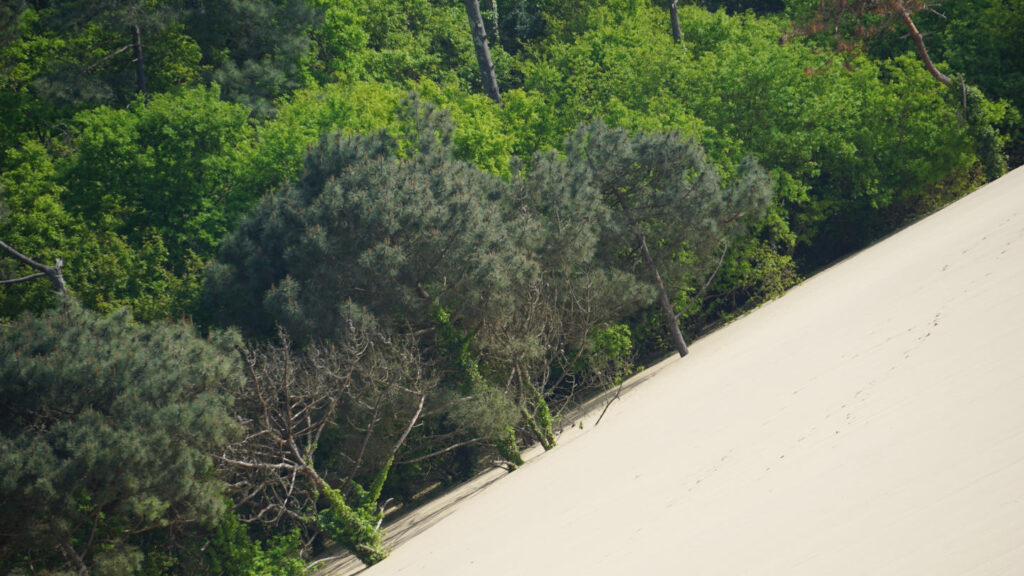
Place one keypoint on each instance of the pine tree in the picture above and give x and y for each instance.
(255, 50)
(108, 44)
(544, 347)
(400, 245)
(107, 431)
(671, 211)
(366, 236)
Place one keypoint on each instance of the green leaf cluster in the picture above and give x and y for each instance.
(232, 551)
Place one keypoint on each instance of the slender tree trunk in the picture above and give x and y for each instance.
(483, 52)
(677, 33)
(922, 51)
(140, 67)
(494, 21)
(667, 311)
(408, 429)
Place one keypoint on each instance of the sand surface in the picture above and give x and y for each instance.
(869, 422)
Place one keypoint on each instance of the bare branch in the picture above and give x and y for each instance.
(23, 278)
(439, 452)
(97, 63)
(412, 422)
(54, 273)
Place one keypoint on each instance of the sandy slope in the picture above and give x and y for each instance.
(869, 422)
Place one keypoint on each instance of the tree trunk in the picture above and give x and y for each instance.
(667, 311)
(140, 67)
(922, 51)
(483, 52)
(494, 22)
(673, 9)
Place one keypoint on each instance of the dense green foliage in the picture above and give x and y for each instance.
(671, 212)
(107, 433)
(364, 236)
(440, 276)
(231, 551)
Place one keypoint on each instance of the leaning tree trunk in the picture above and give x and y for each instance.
(677, 33)
(667, 311)
(922, 51)
(483, 52)
(140, 67)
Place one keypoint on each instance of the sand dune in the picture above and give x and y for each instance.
(869, 422)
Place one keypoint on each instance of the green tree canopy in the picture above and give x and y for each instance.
(106, 435)
(256, 50)
(160, 168)
(366, 234)
(671, 211)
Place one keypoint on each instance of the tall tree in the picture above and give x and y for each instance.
(363, 233)
(483, 51)
(108, 41)
(545, 347)
(672, 212)
(365, 238)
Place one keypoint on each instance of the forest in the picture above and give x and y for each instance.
(270, 269)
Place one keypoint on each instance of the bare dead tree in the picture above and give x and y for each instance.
(54, 273)
(371, 386)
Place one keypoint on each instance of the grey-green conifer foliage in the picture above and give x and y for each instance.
(107, 428)
(380, 237)
(542, 351)
(368, 235)
(513, 279)
(504, 292)
(671, 210)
